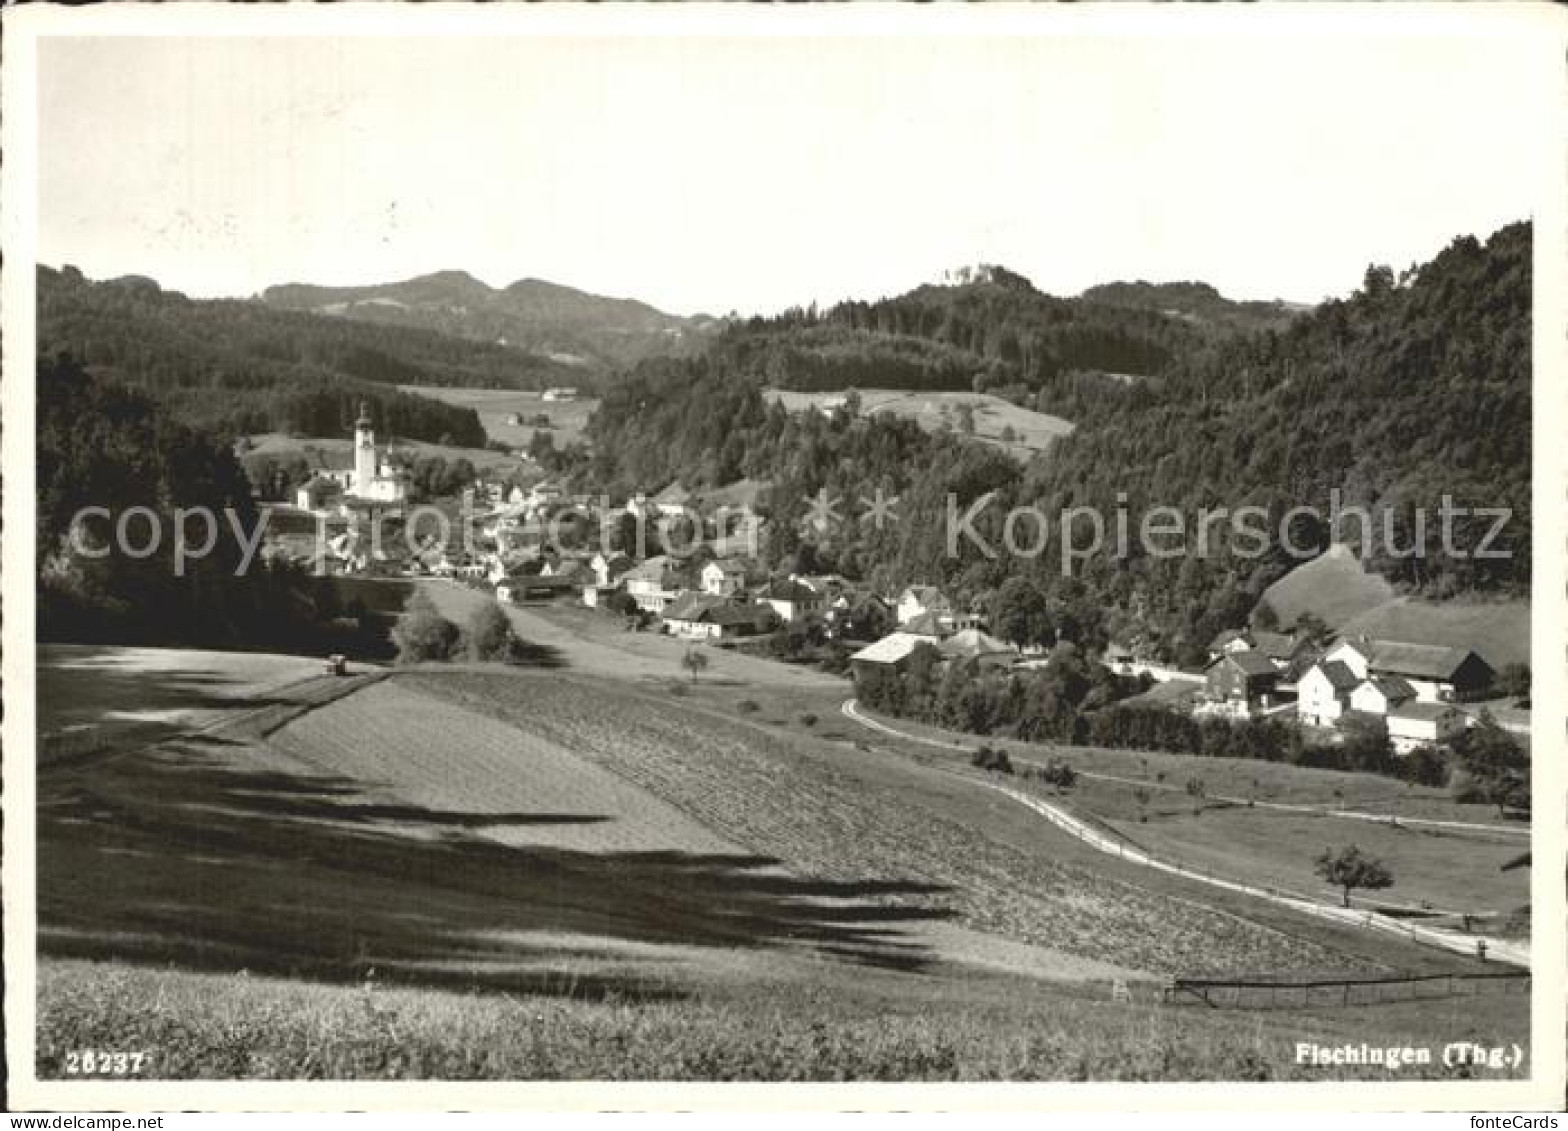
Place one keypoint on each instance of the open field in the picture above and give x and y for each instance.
(1332, 585)
(851, 813)
(544, 871)
(1240, 778)
(870, 1026)
(1032, 431)
(595, 642)
(340, 450)
(90, 696)
(495, 406)
(1449, 872)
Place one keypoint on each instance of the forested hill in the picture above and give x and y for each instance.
(245, 367)
(1199, 303)
(1415, 387)
(594, 333)
(986, 330)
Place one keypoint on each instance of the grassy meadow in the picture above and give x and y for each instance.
(933, 411)
(859, 1027)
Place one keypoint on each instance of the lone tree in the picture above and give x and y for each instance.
(695, 662)
(1350, 868)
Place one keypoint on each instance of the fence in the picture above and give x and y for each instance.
(1218, 994)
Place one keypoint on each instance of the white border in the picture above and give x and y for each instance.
(1542, 33)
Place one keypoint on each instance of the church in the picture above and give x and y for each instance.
(371, 482)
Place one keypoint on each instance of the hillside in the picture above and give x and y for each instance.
(584, 333)
(1333, 587)
(1415, 388)
(979, 330)
(998, 422)
(245, 367)
(1198, 303)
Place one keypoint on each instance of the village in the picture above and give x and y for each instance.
(537, 545)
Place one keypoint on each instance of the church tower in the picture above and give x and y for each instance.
(364, 454)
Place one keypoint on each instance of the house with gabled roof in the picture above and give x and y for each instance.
(1380, 694)
(916, 600)
(975, 644)
(1241, 678)
(1438, 674)
(892, 652)
(702, 616)
(655, 583)
(723, 577)
(792, 600)
(1323, 694)
(1413, 724)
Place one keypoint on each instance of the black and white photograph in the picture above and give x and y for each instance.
(932, 546)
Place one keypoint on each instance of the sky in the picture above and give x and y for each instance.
(750, 174)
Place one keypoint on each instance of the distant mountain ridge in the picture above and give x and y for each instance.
(563, 323)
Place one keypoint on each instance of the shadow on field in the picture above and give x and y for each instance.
(223, 858)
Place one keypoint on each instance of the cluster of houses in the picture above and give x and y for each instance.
(1410, 689)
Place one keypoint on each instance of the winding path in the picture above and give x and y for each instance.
(1501, 950)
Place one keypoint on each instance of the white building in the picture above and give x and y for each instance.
(1423, 724)
(375, 480)
(723, 577)
(1323, 694)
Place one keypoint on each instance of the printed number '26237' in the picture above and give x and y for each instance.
(92, 1062)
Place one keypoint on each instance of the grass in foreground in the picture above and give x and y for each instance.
(212, 1026)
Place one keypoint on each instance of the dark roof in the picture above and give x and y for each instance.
(690, 606)
(706, 608)
(1393, 688)
(927, 623)
(1339, 674)
(1224, 638)
(1275, 645)
(785, 590)
(1251, 663)
(1424, 661)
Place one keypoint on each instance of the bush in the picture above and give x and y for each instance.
(747, 707)
(488, 634)
(1059, 774)
(422, 633)
(808, 720)
(992, 761)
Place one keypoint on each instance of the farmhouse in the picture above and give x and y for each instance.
(1241, 677)
(723, 577)
(318, 494)
(932, 624)
(1278, 647)
(892, 652)
(701, 616)
(673, 501)
(1380, 694)
(654, 583)
(1323, 694)
(1416, 724)
(919, 599)
(792, 600)
(1436, 674)
(973, 644)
